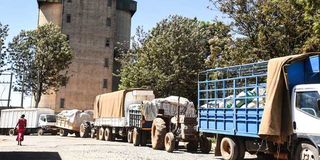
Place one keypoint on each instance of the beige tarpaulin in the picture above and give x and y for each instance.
(109, 105)
(276, 123)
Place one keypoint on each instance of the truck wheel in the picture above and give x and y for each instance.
(129, 136)
(101, 134)
(306, 150)
(40, 132)
(169, 142)
(63, 132)
(143, 138)
(205, 144)
(192, 146)
(93, 133)
(84, 130)
(11, 132)
(136, 137)
(108, 134)
(158, 132)
(77, 134)
(229, 149)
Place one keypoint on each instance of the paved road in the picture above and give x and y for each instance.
(72, 148)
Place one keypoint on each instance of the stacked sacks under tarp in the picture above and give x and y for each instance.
(170, 106)
(75, 117)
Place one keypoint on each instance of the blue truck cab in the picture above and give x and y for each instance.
(231, 103)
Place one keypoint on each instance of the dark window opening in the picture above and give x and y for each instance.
(62, 103)
(109, 3)
(106, 62)
(68, 37)
(107, 42)
(68, 18)
(108, 22)
(105, 83)
(308, 102)
(69, 1)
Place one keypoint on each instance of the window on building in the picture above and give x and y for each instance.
(108, 22)
(107, 42)
(106, 62)
(69, 1)
(109, 3)
(62, 102)
(68, 37)
(105, 83)
(68, 18)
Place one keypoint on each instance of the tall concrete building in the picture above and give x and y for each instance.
(93, 28)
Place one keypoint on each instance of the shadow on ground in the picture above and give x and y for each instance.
(30, 156)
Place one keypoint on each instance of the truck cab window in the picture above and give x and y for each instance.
(307, 102)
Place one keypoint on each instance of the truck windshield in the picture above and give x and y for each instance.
(307, 102)
(51, 118)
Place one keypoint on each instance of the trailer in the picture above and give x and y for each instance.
(111, 113)
(39, 120)
(240, 108)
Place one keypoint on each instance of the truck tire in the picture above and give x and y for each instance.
(143, 138)
(129, 136)
(101, 134)
(77, 134)
(192, 146)
(205, 144)
(40, 132)
(158, 132)
(12, 132)
(229, 149)
(136, 137)
(84, 130)
(306, 150)
(63, 132)
(108, 136)
(93, 133)
(169, 142)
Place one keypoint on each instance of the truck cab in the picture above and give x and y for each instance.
(47, 124)
(306, 112)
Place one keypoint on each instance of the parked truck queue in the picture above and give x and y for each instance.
(270, 108)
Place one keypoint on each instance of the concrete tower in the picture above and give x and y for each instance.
(93, 28)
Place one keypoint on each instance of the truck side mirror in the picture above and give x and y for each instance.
(318, 102)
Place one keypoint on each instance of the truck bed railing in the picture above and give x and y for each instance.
(231, 99)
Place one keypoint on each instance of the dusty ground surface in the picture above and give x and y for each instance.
(72, 148)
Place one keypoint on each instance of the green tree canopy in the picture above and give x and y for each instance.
(168, 58)
(3, 35)
(40, 59)
(264, 29)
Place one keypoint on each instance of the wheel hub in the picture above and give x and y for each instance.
(306, 154)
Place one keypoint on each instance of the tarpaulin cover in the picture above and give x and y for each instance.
(276, 123)
(109, 105)
(73, 118)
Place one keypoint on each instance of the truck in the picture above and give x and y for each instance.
(69, 121)
(269, 108)
(111, 113)
(39, 120)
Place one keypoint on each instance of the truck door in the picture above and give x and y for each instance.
(306, 117)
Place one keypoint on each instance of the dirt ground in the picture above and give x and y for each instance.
(72, 148)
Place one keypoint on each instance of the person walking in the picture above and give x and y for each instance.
(22, 124)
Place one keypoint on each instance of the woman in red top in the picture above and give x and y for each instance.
(22, 123)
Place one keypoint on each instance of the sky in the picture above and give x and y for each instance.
(23, 15)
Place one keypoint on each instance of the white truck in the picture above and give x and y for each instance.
(39, 120)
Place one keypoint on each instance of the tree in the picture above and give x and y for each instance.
(3, 34)
(168, 58)
(264, 29)
(40, 59)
